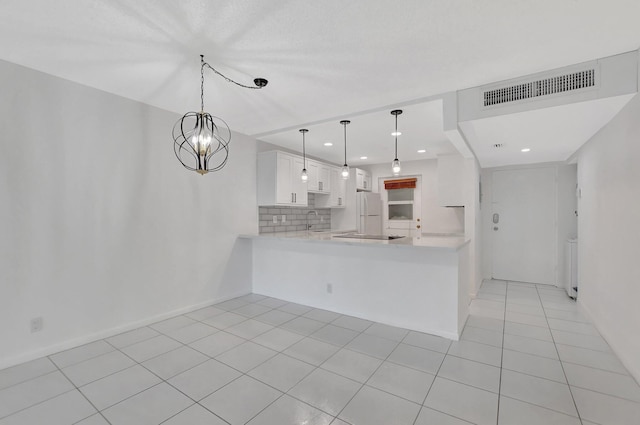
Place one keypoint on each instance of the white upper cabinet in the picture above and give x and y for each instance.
(279, 181)
(312, 172)
(336, 198)
(363, 180)
(451, 178)
(324, 178)
(319, 177)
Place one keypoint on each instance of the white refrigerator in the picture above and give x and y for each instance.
(369, 213)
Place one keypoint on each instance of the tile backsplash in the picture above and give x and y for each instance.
(296, 218)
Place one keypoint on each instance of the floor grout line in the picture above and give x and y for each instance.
(314, 367)
(84, 396)
(506, 293)
(575, 405)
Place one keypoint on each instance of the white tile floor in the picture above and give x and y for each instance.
(526, 356)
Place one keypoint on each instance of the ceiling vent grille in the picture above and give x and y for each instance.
(542, 87)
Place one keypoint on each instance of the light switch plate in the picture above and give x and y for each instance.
(275, 219)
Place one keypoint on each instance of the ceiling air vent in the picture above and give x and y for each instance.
(542, 87)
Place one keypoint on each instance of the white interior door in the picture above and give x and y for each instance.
(524, 225)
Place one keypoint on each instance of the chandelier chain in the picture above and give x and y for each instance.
(229, 80)
(202, 83)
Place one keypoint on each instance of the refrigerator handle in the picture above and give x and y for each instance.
(366, 204)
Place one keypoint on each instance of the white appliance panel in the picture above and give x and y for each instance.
(369, 212)
(373, 203)
(372, 225)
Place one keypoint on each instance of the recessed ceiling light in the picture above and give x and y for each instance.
(422, 151)
(396, 133)
(363, 157)
(525, 150)
(328, 144)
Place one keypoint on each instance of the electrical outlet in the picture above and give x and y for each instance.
(275, 219)
(36, 324)
(321, 219)
(329, 288)
(284, 218)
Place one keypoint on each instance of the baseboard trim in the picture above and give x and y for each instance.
(83, 340)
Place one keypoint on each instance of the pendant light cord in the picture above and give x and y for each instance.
(396, 136)
(304, 155)
(345, 142)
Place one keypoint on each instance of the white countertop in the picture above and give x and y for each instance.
(424, 241)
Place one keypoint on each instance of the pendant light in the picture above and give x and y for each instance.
(201, 140)
(345, 167)
(395, 165)
(303, 175)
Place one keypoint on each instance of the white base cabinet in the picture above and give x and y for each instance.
(279, 181)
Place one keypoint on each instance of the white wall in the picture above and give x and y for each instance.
(565, 215)
(100, 226)
(473, 224)
(435, 219)
(609, 233)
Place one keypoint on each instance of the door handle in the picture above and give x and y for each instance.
(418, 226)
(496, 218)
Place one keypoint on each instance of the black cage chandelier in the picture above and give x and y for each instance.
(201, 140)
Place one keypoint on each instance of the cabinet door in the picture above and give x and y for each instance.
(284, 187)
(366, 180)
(359, 179)
(313, 170)
(324, 178)
(338, 188)
(299, 188)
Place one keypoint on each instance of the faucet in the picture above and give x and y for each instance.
(309, 212)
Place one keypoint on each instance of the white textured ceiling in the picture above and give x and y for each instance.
(552, 134)
(324, 59)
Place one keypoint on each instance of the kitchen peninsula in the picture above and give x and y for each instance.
(416, 283)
